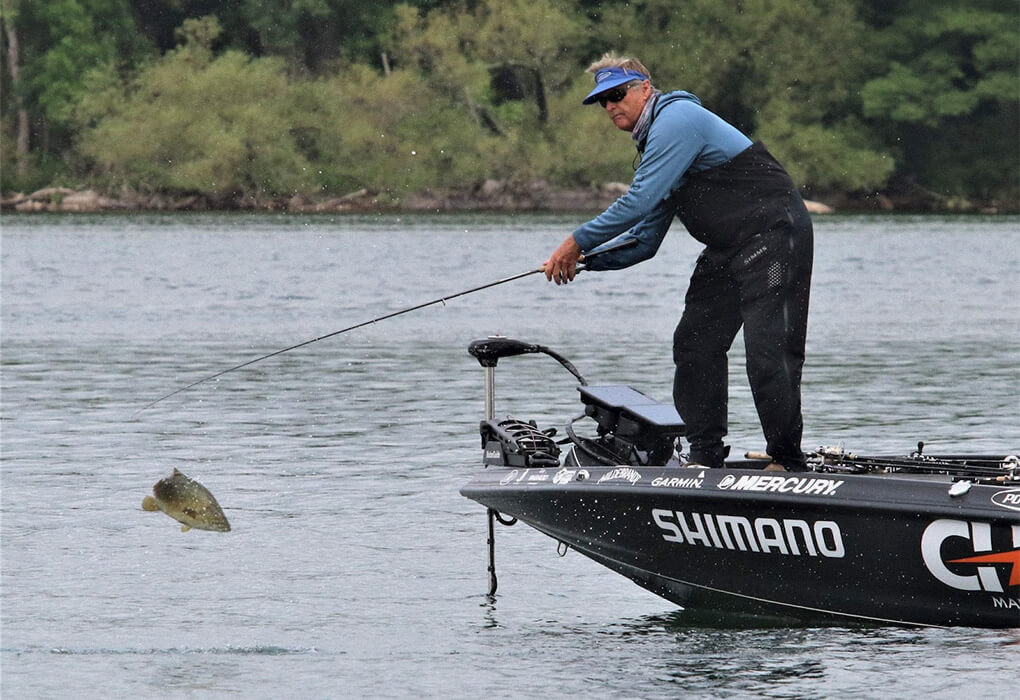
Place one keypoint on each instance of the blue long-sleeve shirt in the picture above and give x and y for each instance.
(683, 137)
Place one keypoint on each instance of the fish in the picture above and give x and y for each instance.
(188, 502)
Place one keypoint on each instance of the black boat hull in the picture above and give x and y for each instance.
(812, 546)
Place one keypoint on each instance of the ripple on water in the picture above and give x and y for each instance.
(354, 567)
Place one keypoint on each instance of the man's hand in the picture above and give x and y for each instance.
(562, 264)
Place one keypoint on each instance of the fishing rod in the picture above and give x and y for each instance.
(1001, 467)
(626, 243)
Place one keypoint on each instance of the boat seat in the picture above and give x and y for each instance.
(627, 412)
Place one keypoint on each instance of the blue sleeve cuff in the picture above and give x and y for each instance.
(649, 235)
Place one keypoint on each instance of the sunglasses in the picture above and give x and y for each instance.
(615, 95)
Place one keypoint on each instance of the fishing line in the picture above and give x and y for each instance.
(441, 300)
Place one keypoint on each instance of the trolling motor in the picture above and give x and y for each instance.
(632, 428)
(511, 442)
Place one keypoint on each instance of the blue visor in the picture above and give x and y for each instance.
(608, 78)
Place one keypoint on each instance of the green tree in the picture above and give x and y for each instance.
(315, 33)
(282, 96)
(310, 34)
(948, 95)
(59, 43)
(159, 20)
(509, 65)
(16, 104)
(784, 71)
(192, 122)
(393, 134)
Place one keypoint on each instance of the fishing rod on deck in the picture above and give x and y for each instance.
(626, 243)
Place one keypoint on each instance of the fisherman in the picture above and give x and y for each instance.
(755, 270)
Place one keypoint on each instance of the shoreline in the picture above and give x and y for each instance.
(488, 195)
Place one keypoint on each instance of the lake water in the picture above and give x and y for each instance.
(355, 568)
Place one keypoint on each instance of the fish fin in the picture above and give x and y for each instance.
(185, 528)
(149, 503)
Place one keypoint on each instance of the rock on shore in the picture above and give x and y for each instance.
(488, 195)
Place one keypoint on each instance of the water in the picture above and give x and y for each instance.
(355, 568)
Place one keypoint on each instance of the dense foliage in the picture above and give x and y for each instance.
(270, 98)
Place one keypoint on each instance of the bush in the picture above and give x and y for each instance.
(192, 123)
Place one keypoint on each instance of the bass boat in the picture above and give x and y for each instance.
(917, 539)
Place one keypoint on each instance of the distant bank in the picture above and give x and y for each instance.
(488, 195)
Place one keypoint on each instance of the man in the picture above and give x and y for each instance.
(755, 270)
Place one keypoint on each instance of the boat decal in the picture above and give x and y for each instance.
(678, 482)
(981, 572)
(791, 536)
(621, 474)
(780, 484)
(565, 475)
(514, 473)
(1010, 498)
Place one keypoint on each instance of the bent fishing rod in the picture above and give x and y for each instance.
(626, 243)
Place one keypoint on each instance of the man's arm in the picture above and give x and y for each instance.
(674, 143)
(649, 234)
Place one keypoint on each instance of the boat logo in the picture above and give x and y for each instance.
(818, 538)
(1007, 499)
(621, 474)
(970, 573)
(508, 478)
(780, 484)
(565, 476)
(676, 482)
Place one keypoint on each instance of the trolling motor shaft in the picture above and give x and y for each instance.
(488, 351)
(531, 446)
